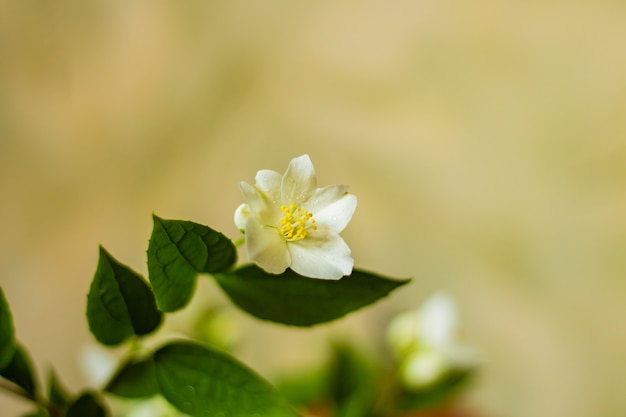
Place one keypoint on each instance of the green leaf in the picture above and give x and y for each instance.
(57, 394)
(7, 332)
(135, 380)
(120, 303)
(177, 252)
(289, 298)
(203, 382)
(87, 405)
(20, 371)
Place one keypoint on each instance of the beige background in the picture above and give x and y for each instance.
(485, 141)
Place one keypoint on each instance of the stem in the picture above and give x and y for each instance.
(133, 349)
(15, 390)
(52, 409)
(240, 241)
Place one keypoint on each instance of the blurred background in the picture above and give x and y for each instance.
(485, 140)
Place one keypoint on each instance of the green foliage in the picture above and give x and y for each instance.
(7, 332)
(348, 384)
(20, 372)
(87, 405)
(291, 299)
(200, 381)
(177, 252)
(120, 303)
(203, 382)
(352, 385)
(135, 380)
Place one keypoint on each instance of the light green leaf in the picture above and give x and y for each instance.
(135, 380)
(20, 371)
(7, 332)
(87, 405)
(120, 303)
(177, 252)
(203, 382)
(289, 298)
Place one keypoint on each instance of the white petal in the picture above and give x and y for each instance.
(259, 204)
(266, 247)
(438, 318)
(269, 182)
(331, 207)
(325, 257)
(299, 181)
(241, 216)
(324, 196)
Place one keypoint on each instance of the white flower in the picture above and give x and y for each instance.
(290, 223)
(426, 342)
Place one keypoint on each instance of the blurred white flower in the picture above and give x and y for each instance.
(290, 223)
(97, 364)
(425, 342)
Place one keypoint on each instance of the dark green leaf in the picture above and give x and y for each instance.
(135, 380)
(120, 303)
(87, 405)
(20, 371)
(292, 299)
(57, 394)
(203, 382)
(7, 332)
(177, 252)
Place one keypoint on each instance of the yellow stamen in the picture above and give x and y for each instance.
(296, 223)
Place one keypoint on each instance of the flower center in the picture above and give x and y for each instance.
(296, 223)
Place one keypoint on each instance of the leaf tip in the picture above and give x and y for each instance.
(102, 251)
(403, 281)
